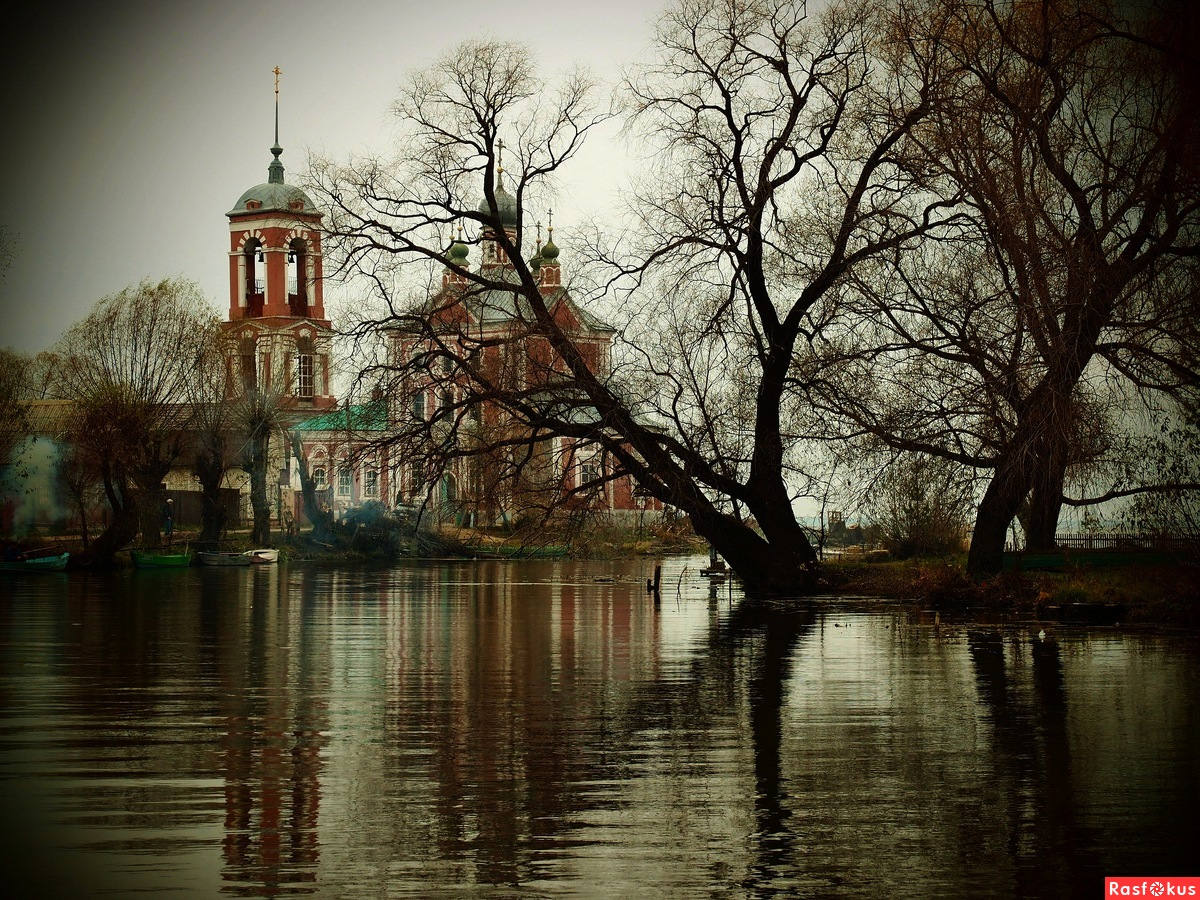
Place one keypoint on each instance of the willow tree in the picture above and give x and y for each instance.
(777, 137)
(126, 370)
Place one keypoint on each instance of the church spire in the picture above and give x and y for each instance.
(275, 169)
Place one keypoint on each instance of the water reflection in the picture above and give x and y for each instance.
(486, 727)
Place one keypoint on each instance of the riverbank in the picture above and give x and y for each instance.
(1150, 594)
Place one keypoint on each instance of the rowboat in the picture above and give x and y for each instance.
(54, 563)
(262, 556)
(145, 560)
(223, 558)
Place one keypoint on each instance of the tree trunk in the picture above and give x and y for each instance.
(781, 563)
(152, 500)
(1045, 505)
(321, 518)
(1005, 492)
(121, 530)
(83, 522)
(210, 470)
(259, 446)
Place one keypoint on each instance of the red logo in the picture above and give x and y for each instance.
(1151, 886)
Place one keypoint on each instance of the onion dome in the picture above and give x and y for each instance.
(458, 254)
(506, 206)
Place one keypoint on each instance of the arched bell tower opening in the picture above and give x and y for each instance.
(254, 277)
(297, 277)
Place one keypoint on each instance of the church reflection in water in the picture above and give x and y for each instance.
(546, 726)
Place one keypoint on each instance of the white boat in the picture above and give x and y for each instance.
(262, 556)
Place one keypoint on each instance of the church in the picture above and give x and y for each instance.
(279, 342)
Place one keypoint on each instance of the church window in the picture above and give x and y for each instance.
(344, 479)
(318, 478)
(304, 368)
(249, 364)
(370, 482)
(418, 406)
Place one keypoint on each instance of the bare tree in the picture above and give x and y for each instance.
(212, 427)
(318, 513)
(778, 136)
(258, 414)
(1068, 136)
(125, 368)
(920, 505)
(15, 395)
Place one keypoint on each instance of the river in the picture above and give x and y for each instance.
(545, 728)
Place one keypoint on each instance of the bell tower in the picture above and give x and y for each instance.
(278, 337)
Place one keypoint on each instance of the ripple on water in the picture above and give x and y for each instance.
(500, 728)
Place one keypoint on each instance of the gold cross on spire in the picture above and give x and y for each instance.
(500, 158)
(550, 227)
(278, 71)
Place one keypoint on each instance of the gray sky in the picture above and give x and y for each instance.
(132, 127)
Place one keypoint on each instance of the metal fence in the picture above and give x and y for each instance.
(1160, 542)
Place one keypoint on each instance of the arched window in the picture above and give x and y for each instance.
(297, 277)
(371, 482)
(254, 290)
(345, 479)
(418, 405)
(318, 478)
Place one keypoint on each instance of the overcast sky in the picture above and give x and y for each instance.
(131, 128)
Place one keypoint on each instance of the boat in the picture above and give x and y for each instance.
(146, 560)
(223, 558)
(262, 556)
(54, 563)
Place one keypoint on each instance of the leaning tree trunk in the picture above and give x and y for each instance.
(259, 446)
(780, 561)
(321, 518)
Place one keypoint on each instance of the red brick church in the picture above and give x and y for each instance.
(280, 341)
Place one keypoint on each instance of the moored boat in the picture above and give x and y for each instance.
(54, 563)
(147, 560)
(262, 556)
(223, 558)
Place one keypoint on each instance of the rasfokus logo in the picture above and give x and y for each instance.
(1157, 886)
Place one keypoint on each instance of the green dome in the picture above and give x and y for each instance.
(506, 205)
(274, 195)
(550, 251)
(459, 253)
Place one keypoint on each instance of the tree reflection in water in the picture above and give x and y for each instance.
(1031, 759)
(494, 728)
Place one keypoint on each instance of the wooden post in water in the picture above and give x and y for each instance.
(652, 586)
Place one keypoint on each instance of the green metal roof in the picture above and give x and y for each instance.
(273, 194)
(356, 418)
